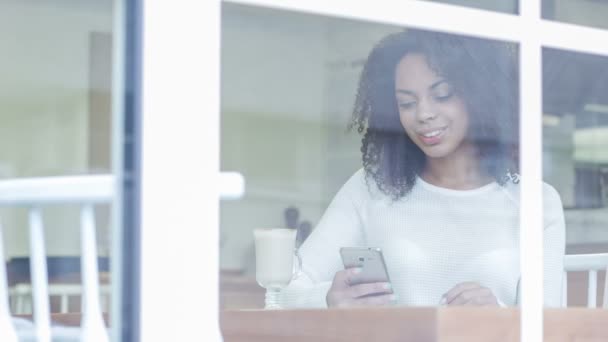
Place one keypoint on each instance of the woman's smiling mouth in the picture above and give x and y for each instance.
(432, 137)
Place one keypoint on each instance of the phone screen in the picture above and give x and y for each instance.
(371, 262)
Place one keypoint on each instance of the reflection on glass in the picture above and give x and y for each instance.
(585, 13)
(428, 172)
(56, 104)
(288, 83)
(574, 160)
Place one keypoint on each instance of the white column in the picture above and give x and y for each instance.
(180, 171)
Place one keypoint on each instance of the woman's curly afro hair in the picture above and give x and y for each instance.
(482, 72)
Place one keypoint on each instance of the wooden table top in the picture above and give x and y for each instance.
(409, 324)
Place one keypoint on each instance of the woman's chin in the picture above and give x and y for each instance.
(445, 149)
(436, 151)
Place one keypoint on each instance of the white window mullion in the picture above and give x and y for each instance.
(573, 37)
(531, 220)
(180, 171)
(411, 13)
(453, 19)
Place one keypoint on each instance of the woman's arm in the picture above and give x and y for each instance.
(340, 226)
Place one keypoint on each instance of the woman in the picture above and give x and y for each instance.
(438, 189)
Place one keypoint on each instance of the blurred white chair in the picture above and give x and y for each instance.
(34, 194)
(21, 297)
(590, 263)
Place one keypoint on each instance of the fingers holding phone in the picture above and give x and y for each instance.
(342, 293)
(363, 282)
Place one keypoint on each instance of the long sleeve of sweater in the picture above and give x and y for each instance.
(340, 225)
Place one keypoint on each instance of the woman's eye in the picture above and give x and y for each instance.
(407, 105)
(444, 97)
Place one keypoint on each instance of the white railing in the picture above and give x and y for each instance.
(86, 191)
(69, 189)
(21, 303)
(590, 263)
(34, 194)
(7, 330)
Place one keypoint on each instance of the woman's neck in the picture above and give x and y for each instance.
(459, 171)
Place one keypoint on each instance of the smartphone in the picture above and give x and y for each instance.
(371, 262)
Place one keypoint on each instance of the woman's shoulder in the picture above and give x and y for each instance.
(552, 203)
(360, 186)
(550, 194)
(357, 181)
(358, 177)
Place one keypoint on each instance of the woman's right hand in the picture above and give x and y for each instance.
(342, 293)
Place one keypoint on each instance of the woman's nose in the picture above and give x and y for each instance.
(426, 111)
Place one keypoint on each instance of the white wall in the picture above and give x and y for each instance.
(44, 104)
(272, 88)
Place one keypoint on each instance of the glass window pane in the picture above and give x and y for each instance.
(575, 118)
(292, 84)
(506, 6)
(585, 13)
(56, 90)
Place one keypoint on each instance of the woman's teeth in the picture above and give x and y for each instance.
(433, 133)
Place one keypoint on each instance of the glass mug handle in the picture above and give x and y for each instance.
(297, 267)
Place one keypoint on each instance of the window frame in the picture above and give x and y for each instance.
(182, 47)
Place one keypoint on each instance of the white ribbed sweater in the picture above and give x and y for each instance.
(432, 239)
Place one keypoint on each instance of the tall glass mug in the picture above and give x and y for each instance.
(275, 251)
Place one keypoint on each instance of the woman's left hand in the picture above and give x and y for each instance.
(469, 294)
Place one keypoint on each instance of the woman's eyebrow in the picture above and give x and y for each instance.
(438, 83)
(406, 92)
(433, 86)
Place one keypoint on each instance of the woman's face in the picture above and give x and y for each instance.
(433, 116)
